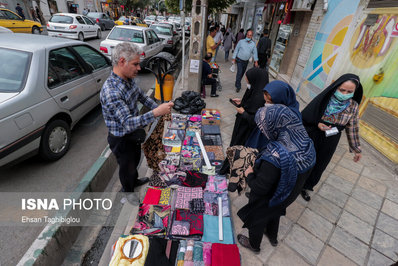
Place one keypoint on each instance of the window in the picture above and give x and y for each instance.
(93, 58)
(130, 35)
(61, 19)
(14, 67)
(162, 30)
(2, 15)
(11, 15)
(154, 36)
(63, 67)
(80, 20)
(149, 37)
(88, 21)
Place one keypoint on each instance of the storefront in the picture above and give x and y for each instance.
(52, 5)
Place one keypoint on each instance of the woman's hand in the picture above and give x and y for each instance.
(248, 171)
(237, 100)
(323, 127)
(240, 110)
(357, 157)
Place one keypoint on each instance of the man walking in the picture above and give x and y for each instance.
(218, 39)
(207, 77)
(245, 49)
(264, 50)
(20, 11)
(211, 45)
(119, 97)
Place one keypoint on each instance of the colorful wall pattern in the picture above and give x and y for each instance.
(327, 45)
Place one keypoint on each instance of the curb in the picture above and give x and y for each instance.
(54, 241)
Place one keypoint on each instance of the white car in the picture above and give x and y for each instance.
(150, 20)
(72, 26)
(176, 29)
(144, 37)
(165, 32)
(5, 30)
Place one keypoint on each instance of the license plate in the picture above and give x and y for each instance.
(59, 28)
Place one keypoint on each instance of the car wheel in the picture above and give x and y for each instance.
(80, 37)
(99, 34)
(35, 30)
(103, 27)
(55, 140)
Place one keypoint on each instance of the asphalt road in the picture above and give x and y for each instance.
(34, 175)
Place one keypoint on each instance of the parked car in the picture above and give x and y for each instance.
(165, 32)
(145, 38)
(15, 23)
(175, 28)
(5, 30)
(160, 18)
(131, 21)
(102, 20)
(72, 26)
(46, 85)
(150, 20)
(188, 22)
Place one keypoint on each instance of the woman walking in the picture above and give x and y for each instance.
(325, 117)
(281, 168)
(228, 40)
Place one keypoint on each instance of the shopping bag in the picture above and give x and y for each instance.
(232, 68)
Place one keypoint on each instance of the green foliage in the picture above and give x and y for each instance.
(215, 6)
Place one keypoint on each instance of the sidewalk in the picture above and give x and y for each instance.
(352, 218)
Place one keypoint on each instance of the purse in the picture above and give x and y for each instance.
(137, 136)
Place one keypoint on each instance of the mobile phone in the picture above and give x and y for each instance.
(234, 103)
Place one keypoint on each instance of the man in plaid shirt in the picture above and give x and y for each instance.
(119, 96)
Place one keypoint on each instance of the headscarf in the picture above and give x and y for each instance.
(283, 93)
(253, 97)
(314, 111)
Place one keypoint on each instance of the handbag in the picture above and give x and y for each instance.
(137, 136)
(232, 68)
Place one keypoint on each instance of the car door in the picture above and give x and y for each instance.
(91, 28)
(16, 23)
(157, 42)
(70, 83)
(83, 27)
(150, 44)
(109, 21)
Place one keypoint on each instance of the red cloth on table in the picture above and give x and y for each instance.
(195, 221)
(152, 196)
(224, 254)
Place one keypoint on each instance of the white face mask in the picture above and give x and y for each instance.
(249, 86)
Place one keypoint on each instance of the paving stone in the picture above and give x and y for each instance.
(361, 210)
(378, 173)
(330, 167)
(390, 208)
(392, 194)
(347, 162)
(316, 224)
(371, 199)
(240, 201)
(294, 211)
(284, 226)
(372, 185)
(304, 243)
(376, 258)
(345, 173)
(284, 256)
(385, 244)
(331, 255)
(325, 208)
(333, 194)
(340, 183)
(356, 226)
(336, 158)
(340, 150)
(349, 246)
(388, 225)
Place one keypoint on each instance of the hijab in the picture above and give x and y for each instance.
(253, 98)
(283, 93)
(314, 111)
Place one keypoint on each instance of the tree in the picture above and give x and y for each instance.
(214, 6)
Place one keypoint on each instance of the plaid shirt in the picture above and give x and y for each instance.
(349, 118)
(119, 106)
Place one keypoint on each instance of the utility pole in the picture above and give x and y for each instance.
(182, 13)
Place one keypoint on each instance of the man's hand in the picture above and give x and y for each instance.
(323, 127)
(240, 110)
(237, 100)
(255, 63)
(163, 109)
(210, 76)
(233, 61)
(357, 157)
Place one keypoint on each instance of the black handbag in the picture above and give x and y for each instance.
(137, 136)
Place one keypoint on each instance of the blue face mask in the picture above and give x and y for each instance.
(248, 39)
(343, 97)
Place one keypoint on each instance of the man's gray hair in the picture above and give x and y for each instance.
(126, 50)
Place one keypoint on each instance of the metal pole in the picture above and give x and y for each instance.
(183, 48)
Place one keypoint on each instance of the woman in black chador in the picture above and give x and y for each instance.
(335, 108)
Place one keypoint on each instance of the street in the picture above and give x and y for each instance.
(34, 175)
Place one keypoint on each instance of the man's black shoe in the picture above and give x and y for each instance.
(214, 95)
(141, 181)
(237, 90)
(305, 195)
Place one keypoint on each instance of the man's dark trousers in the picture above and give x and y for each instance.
(213, 83)
(128, 155)
(241, 65)
(262, 60)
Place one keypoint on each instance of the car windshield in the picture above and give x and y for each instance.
(13, 69)
(161, 30)
(94, 15)
(61, 19)
(130, 35)
(150, 18)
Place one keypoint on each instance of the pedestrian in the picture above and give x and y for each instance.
(229, 38)
(264, 50)
(211, 45)
(239, 36)
(33, 14)
(85, 12)
(20, 11)
(38, 13)
(245, 49)
(219, 38)
(207, 77)
(280, 169)
(119, 97)
(335, 108)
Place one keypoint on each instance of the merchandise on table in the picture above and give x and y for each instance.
(207, 253)
(207, 171)
(210, 231)
(195, 221)
(130, 250)
(151, 220)
(171, 149)
(211, 117)
(186, 194)
(210, 130)
(217, 184)
(218, 152)
(211, 203)
(223, 254)
(180, 228)
(156, 181)
(162, 252)
(165, 197)
(197, 206)
(152, 196)
(195, 179)
(173, 178)
(212, 140)
(172, 137)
